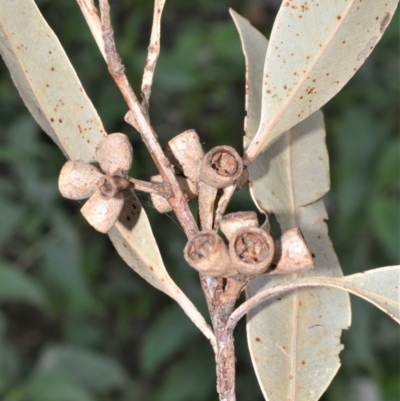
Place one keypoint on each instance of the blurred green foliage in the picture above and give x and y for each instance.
(76, 324)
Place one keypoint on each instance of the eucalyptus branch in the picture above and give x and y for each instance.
(151, 187)
(246, 306)
(152, 55)
(91, 14)
(140, 121)
(117, 70)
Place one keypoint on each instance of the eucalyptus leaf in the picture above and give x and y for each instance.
(47, 81)
(294, 338)
(380, 286)
(52, 92)
(315, 48)
(254, 46)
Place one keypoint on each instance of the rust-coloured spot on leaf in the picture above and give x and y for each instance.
(385, 22)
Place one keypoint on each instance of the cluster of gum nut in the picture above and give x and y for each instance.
(246, 247)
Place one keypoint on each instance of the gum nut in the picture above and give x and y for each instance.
(221, 167)
(186, 153)
(160, 203)
(251, 250)
(207, 253)
(292, 254)
(101, 213)
(114, 154)
(78, 180)
(231, 222)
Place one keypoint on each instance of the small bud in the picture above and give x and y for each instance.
(207, 253)
(188, 188)
(251, 250)
(232, 222)
(114, 154)
(292, 254)
(186, 153)
(102, 213)
(78, 180)
(222, 166)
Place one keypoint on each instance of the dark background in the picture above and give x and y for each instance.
(76, 324)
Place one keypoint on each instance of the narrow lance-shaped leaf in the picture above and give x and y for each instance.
(254, 46)
(380, 286)
(52, 92)
(294, 338)
(315, 48)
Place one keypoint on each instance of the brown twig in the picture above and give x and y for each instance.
(224, 303)
(91, 15)
(152, 55)
(222, 205)
(117, 70)
(160, 189)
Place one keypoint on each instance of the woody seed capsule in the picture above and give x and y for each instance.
(251, 250)
(292, 254)
(207, 253)
(222, 166)
(231, 222)
(186, 153)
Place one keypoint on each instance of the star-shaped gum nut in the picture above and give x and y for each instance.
(81, 180)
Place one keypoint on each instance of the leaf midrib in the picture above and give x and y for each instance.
(293, 223)
(255, 147)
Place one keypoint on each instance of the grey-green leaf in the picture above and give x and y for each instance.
(47, 81)
(315, 48)
(380, 286)
(131, 238)
(254, 46)
(294, 338)
(293, 171)
(51, 90)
